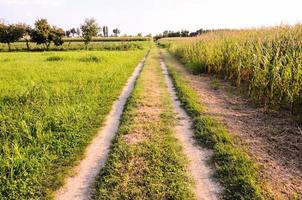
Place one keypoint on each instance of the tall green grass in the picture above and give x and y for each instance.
(268, 62)
(146, 161)
(70, 45)
(233, 168)
(51, 105)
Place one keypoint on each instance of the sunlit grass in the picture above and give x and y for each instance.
(51, 104)
(266, 61)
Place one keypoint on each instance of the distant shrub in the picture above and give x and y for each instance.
(90, 58)
(54, 58)
(6, 60)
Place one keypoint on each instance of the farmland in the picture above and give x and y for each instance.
(243, 90)
(116, 107)
(79, 45)
(51, 104)
(267, 63)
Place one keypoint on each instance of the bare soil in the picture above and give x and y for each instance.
(272, 139)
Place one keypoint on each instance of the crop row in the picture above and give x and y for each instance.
(267, 62)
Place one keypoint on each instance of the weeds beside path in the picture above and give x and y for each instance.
(78, 186)
(242, 127)
(146, 161)
(206, 188)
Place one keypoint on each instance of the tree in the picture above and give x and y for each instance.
(56, 35)
(26, 34)
(116, 32)
(11, 33)
(90, 29)
(105, 31)
(184, 33)
(78, 31)
(73, 31)
(68, 33)
(41, 32)
(44, 34)
(139, 35)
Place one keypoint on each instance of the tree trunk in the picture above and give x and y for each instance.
(27, 45)
(9, 48)
(47, 46)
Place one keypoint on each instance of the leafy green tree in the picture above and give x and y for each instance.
(90, 29)
(116, 32)
(41, 33)
(105, 31)
(67, 33)
(73, 31)
(184, 33)
(78, 32)
(26, 29)
(44, 34)
(56, 35)
(11, 33)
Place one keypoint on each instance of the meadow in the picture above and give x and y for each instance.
(146, 160)
(267, 63)
(78, 44)
(51, 105)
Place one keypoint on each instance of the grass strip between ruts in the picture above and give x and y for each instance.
(234, 169)
(146, 161)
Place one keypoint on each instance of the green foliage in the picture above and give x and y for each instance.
(79, 45)
(11, 33)
(90, 58)
(105, 31)
(44, 34)
(90, 29)
(154, 168)
(116, 32)
(50, 112)
(234, 169)
(267, 61)
(55, 58)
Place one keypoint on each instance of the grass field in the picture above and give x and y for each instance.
(51, 105)
(267, 63)
(146, 161)
(69, 45)
(109, 39)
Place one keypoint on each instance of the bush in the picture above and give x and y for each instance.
(90, 58)
(54, 58)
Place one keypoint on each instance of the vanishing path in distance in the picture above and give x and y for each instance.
(77, 187)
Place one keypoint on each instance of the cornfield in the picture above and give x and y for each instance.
(267, 61)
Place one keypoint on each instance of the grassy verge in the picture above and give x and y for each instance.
(146, 161)
(266, 62)
(51, 105)
(72, 45)
(234, 169)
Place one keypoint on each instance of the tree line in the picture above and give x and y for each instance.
(45, 34)
(182, 33)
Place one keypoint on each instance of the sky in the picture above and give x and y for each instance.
(155, 16)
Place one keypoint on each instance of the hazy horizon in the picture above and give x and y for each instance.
(155, 16)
